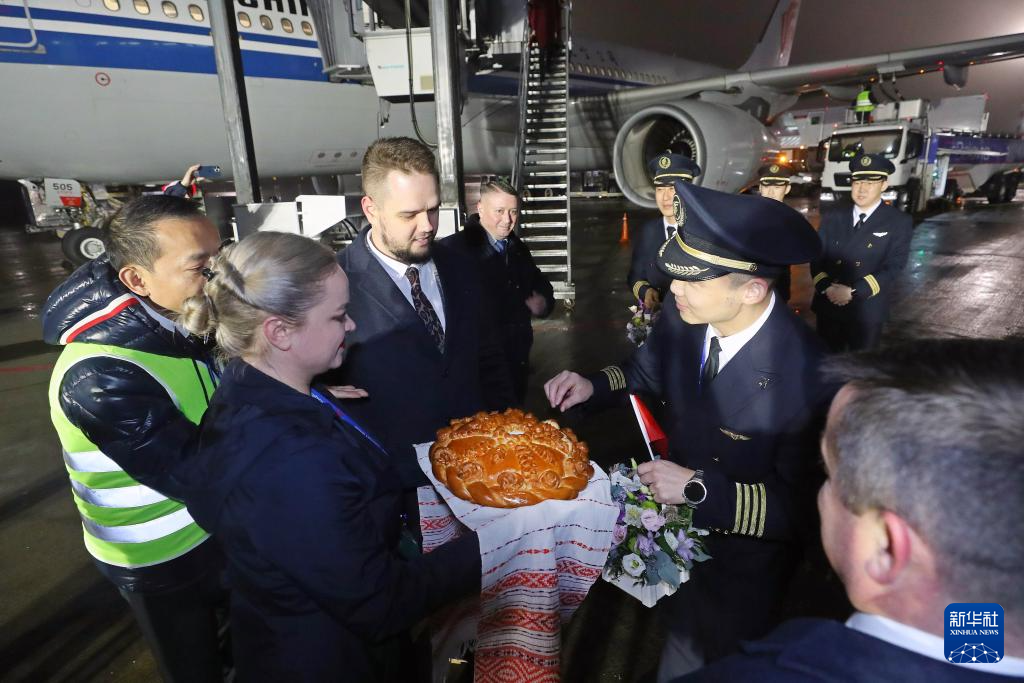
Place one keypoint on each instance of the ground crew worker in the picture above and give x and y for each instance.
(773, 182)
(648, 284)
(864, 104)
(126, 395)
(864, 248)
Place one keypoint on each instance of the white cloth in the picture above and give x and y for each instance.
(430, 281)
(537, 564)
(732, 344)
(923, 643)
(857, 211)
(162, 320)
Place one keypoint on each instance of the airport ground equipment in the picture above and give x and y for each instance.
(941, 151)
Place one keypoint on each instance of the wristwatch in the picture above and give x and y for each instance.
(694, 490)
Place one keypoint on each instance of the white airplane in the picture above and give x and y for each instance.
(125, 92)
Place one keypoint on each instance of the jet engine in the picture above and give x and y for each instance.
(728, 144)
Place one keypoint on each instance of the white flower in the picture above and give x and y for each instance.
(633, 565)
(625, 482)
(633, 513)
(671, 540)
(701, 532)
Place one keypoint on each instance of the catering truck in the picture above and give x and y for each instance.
(941, 151)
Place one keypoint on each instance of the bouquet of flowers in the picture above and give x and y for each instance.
(654, 545)
(640, 323)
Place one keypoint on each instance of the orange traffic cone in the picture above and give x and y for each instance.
(625, 230)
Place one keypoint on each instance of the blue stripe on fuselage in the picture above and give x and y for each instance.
(78, 49)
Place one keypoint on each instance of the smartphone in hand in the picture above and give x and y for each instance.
(208, 172)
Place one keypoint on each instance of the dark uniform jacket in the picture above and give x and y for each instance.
(308, 512)
(754, 432)
(509, 278)
(806, 650)
(122, 408)
(868, 260)
(414, 389)
(643, 272)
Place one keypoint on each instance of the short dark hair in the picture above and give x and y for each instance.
(395, 154)
(497, 184)
(934, 431)
(131, 236)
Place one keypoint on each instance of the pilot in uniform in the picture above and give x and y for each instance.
(646, 282)
(864, 248)
(773, 182)
(738, 372)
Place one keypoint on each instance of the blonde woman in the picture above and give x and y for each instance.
(304, 500)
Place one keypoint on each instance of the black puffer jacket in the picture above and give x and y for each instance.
(119, 406)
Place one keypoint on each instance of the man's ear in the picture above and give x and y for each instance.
(756, 290)
(788, 188)
(277, 332)
(369, 208)
(893, 543)
(134, 278)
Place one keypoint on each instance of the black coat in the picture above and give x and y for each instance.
(806, 650)
(308, 512)
(509, 279)
(643, 272)
(414, 390)
(868, 260)
(754, 432)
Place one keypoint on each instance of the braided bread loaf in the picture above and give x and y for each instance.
(510, 459)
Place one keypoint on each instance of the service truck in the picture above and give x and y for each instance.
(941, 151)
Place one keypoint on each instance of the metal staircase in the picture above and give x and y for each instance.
(542, 168)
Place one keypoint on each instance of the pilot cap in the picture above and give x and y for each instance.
(871, 167)
(667, 168)
(774, 174)
(720, 233)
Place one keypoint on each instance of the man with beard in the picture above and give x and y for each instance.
(425, 350)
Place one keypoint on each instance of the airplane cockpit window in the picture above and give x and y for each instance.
(141, 6)
(243, 20)
(266, 22)
(287, 25)
(307, 28)
(170, 9)
(112, 5)
(196, 12)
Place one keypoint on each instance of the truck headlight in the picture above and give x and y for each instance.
(826, 196)
(890, 195)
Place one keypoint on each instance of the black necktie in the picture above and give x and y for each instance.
(711, 364)
(424, 310)
(860, 223)
(671, 230)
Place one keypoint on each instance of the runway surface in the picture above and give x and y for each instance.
(59, 620)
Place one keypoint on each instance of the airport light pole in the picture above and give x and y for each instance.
(231, 79)
(448, 101)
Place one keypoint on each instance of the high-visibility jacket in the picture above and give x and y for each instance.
(863, 102)
(124, 522)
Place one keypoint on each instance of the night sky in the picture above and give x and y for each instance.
(722, 32)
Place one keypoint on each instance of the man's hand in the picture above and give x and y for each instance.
(347, 391)
(665, 480)
(567, 389)
(536, 303)
(652, 300)
(190, 175)
(839, 295)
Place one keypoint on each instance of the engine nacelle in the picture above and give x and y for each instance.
(727, 142)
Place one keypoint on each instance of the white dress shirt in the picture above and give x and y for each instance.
(430, 283)
(924, 643)
(164, 321)
(670, 228)
(857, 211)
(732, 344)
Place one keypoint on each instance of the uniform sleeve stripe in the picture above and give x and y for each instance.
(820, 276)
(616, 379)
(739, 508)
(764, 510)
(873, 284)
(636, 287)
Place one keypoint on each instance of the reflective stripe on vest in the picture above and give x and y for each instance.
(126, 523)
(864, 102)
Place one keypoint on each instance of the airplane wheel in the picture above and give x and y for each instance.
(82, 245)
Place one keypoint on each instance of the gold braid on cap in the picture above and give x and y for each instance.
(715, 260)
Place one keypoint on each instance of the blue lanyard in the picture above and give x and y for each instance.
(346, 419)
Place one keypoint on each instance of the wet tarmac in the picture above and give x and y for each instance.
(60, 621)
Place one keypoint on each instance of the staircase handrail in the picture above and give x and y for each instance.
(524, 77)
